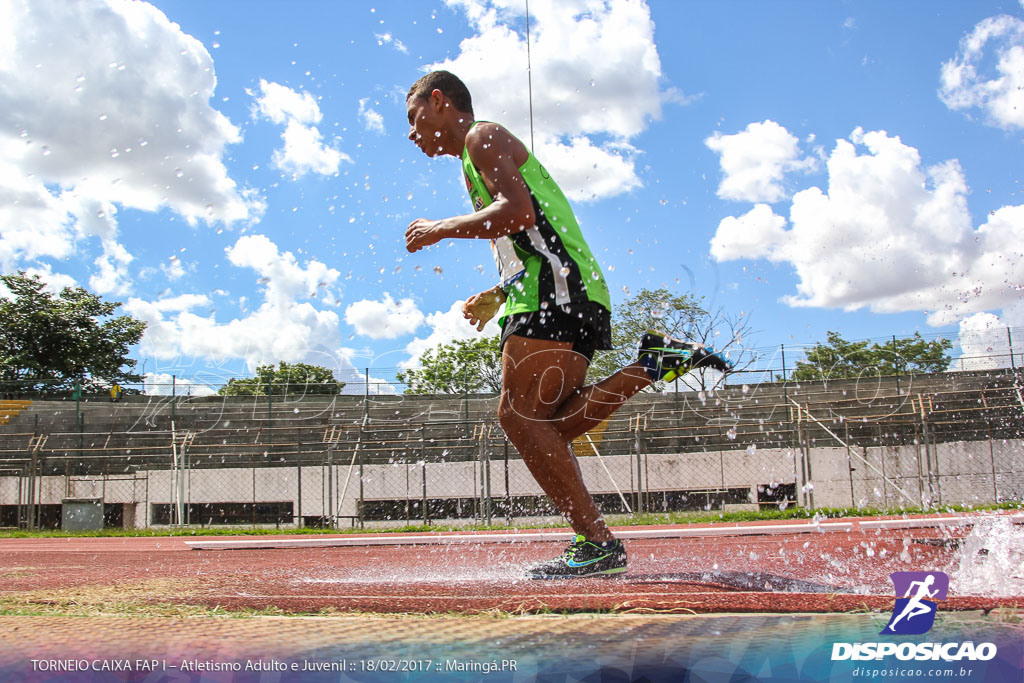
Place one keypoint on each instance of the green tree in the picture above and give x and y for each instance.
(287, 379)
(842, 359)
(462, 366)
(48, 342)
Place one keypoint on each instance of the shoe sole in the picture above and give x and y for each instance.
(608, 573)
(671, 375)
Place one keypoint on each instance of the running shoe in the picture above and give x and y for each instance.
(583, 558)
(666, 358)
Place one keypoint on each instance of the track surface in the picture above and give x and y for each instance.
(831, 571)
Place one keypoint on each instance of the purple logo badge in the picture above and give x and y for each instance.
(917, 594)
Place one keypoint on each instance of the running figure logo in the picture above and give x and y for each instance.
(914, 613)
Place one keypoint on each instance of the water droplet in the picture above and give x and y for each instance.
(731, 434)
(564, 271)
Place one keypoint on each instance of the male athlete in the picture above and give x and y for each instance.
(557, 311)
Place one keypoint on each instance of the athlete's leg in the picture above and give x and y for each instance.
(591, 405)
(660, 357)
(537, 378)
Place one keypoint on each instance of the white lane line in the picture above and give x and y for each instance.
(721, 530)
(522, 537)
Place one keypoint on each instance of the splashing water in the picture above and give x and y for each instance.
(991, 560)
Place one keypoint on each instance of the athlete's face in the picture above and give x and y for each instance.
(424, 124)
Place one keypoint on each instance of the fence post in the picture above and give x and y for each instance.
(426, 516)
(485, 475)
(361, 499)
(366, 398)
(298, 465)
(881, 459)
(992, 458)
(254, 494)
(849, 464)
(508, 494)
(808, 473)
(331, 520)
(925, 438)
(896, 364)
(270, 411)
(1009, 339)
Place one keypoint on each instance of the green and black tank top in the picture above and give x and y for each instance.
(549, 262)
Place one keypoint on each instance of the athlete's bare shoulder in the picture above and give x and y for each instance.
(493, 140)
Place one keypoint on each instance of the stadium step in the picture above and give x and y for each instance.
(9, 409)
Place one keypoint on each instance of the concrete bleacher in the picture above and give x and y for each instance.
(98, 436)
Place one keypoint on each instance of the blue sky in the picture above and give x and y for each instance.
(239, 175)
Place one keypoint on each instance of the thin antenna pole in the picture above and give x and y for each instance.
(529, 72)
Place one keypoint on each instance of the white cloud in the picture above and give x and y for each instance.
(281, 104)
(166, 384)
(388, 39)
(384, 319)
(596, 83)
(284, 327)
(33, 222)
(987, 73)
(173, 269)
(446, 326)
(284, 279)
(119, 115)
(586, 171)
(304, 150)
(983, 343)
(888, 234)
(753, 235)
(755, 161)
(372, 120)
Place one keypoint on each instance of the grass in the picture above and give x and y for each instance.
(638, 519)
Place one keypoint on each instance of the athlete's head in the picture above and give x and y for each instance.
(450, 86)
(434, 103)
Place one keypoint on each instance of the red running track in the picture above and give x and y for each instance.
(830, 571)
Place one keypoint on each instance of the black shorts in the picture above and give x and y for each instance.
(588, 327)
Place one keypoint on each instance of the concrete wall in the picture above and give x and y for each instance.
(965, 476)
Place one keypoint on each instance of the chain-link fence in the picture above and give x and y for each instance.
(376, 459)
(994, 348)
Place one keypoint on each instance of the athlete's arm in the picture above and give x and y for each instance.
(480, 308)
(498, 155)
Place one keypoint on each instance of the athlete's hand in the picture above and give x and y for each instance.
(480, 308)
(423, 232)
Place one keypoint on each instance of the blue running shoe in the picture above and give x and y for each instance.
(583, 558)
(666, 358)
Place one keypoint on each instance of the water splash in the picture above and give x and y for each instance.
(505, 572)
(991, 561)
